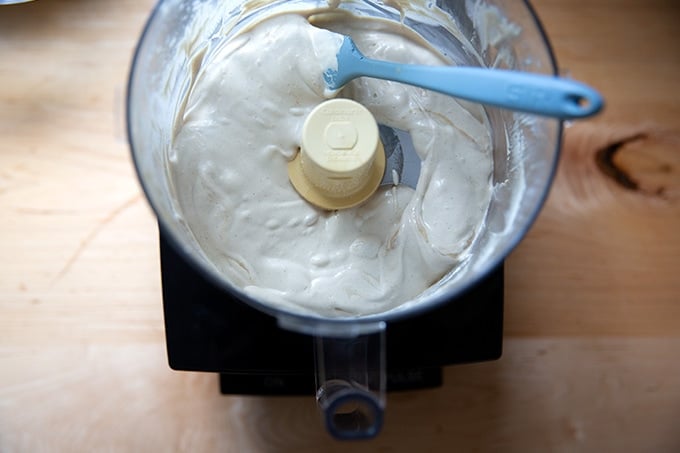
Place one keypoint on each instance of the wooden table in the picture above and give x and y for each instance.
(592, 348)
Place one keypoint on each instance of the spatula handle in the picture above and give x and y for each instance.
(527, 92)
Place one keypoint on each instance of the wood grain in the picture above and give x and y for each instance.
(592, 348)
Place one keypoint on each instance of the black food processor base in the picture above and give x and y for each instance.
(209, 330)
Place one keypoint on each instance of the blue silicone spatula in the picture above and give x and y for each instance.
(521, 91)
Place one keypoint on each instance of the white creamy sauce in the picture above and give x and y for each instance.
(242, 124)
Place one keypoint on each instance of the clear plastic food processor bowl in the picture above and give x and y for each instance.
(350, 352)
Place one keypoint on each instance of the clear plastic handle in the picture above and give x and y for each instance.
(350, 374)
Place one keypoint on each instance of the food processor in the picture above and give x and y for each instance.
(348, 362)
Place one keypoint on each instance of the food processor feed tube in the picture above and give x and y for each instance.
(218, 97)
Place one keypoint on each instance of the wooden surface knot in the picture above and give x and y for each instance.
(615, 161)
(647, 162)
